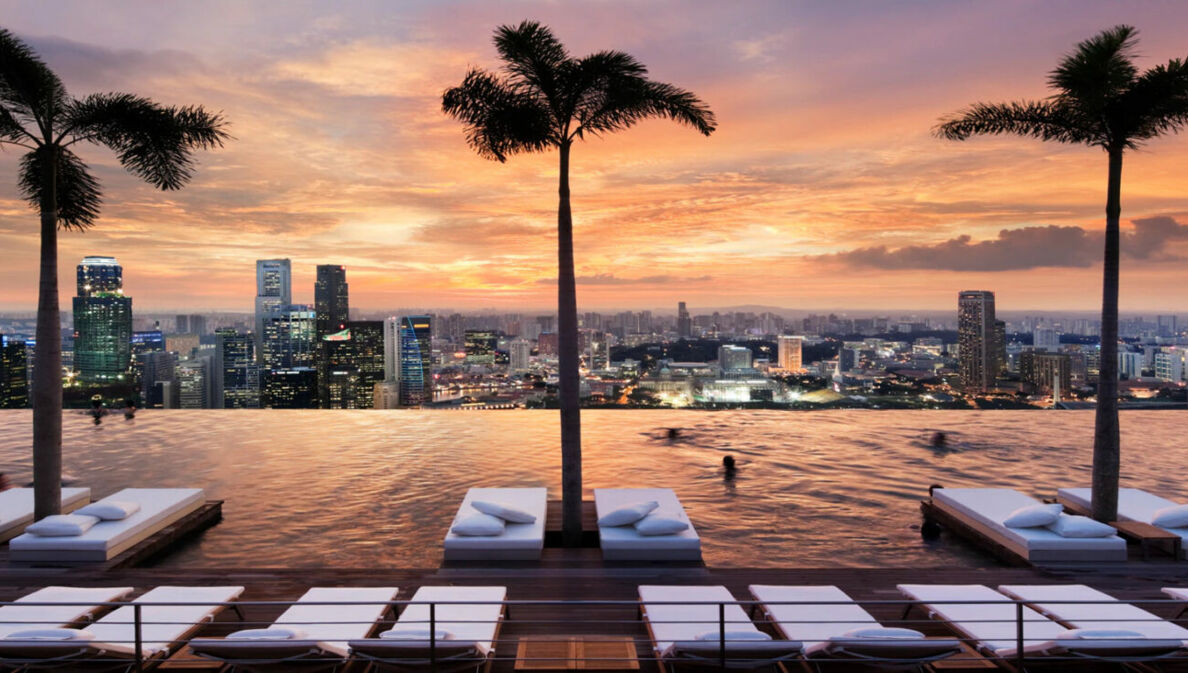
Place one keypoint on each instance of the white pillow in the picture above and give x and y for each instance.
(110, 510)
(414, 633)
(274, 633)
(1032, 516)
(1080, 526)
(1095, 634)
(508, 514)
(660, 524)
(478, 525)
(881, 632)
(733, 635)
(51, 634)
(1175, 516)
(62, 525)
(625, 516)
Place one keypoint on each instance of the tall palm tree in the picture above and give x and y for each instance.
(1100, 99)
(151, 141)
(546, 99)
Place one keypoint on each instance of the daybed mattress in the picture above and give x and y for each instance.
(1134, 504)
(16, 508)
(159, 507)
(623, 543)
(984, 509)
(519, 541)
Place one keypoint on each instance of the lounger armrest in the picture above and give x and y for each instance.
(416, 652)
(893, 649)
(738, 653)
(233, 649)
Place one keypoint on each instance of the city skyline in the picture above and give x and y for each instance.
(822, 189)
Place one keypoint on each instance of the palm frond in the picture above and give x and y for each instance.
(152, 141)
(500, 120)
(1156, 104)
(1046, 120)
(29, 90)
(532, 54)
(615, 94)
(77, 190)
(1099, 68)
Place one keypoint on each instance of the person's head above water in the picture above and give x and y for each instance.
(728, 462)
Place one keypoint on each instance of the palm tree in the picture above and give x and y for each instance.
(1100, 99)
(153, 142)
(546, 99)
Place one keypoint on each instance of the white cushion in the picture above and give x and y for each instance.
(881, 632)
(478, 525)
(508, 514)
(1033, 516)
(110, 510)
(1175, 516)
(1080, 526)
(625, 516)
(62, 525)
(1095, 634)
(733, 635)
(414, 633)
(51, 634)
(274, 633)
(660, 524)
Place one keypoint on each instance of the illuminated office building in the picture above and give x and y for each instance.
(102, 322)
(976, 340)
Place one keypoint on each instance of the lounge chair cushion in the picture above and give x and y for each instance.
(478, 525)
(880, 632)
(414, 633)
(274, 633)
(1098, 634)
(733, 635)
(658, 523)
(625, 516)
(505, 512)
(1175, 516)
(1032, 516)
(51, 634)
(110, 510)
(62, 525)
(1069, 525)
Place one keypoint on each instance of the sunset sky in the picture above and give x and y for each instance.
(822, 188)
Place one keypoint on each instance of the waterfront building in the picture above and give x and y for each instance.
(295, 388)
(790, 353)
(102, 322)
(1170, 364)
(236, 375)
(193, 383)
(480, 346)
(1046, 372)
(1045, 339)
(14, 373)
(978, 355)
(519, 355)
(684, 322)
(1130, 364)
(274, 291)
(331, 300)
(733, 358)
(412, 361)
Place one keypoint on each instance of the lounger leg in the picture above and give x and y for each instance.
(907, 611)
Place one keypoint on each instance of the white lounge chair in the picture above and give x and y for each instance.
(822, 616)
(624, 543)
(318, 630)
(67, 606)
(159, 507)
(993, 626)
(1134, 504)
(16, 508)
(112, 639)
(984, 510)
(518, 542)
(473, 630)
(1104, 613)
(691, 632)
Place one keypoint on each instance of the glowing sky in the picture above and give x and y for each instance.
(822, 187)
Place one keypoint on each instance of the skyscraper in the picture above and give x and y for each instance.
(520, 355)
(480, 346)
(1045, 339)
(193, 383)
(295, 388)
(236, 376)
(733, 358)
(1166, 325)
(353, 362)
(290, 338)
(789, 350)
(102, 322)
(684, 322)
(158, 379)
(412, 360)
(976, 341)
(14, 381)
(274, 291)
(330, 299)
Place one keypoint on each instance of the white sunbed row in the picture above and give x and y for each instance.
(478, 535)
(16, 508)
(1136, 505)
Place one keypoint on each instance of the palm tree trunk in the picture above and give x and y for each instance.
(1106, 442)
(568, 381)
(47, 359)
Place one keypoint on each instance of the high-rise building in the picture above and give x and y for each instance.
(295, 388)
(976, 340)
(236, 376)
(353, 363)
(684, 322)
(290, 338)
(1170, 364)
(790, 353)
(1165, 325)
(480, 346)
(1130, 364)
(14, 374)
(102, 322)
(519, 355)
(1046, 372)
(181, 324)
(1000, 351)
(331, 299)
(413, 359)
(158, 379)
(193, 383)
(733, 358)
(1045, 339)
(274, 291)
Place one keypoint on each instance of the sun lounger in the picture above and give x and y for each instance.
(317, 632)
(691, 633)
(16, 508)
(624, 543)
(984, 509)
(159, 507)
(75, 604)
(518, 542)
(1105, 613)
(993, 627)
(821, 617)
(163, 629)
(472, 631)
(1134, 504)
